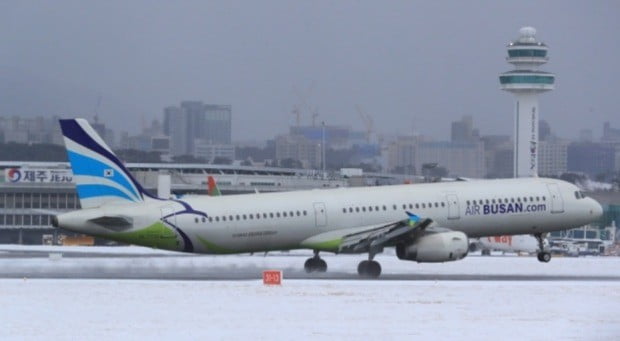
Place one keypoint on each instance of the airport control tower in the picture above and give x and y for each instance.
(526, 82)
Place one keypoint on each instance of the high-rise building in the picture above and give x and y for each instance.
(463, 130)
(31, 130)
(526, 82)
(552, 157)
(401, 155)
(218, 124)
(408, 155)
(544, 130)
(175, 127)
(464, 159)
(593, 159)
(610, 134)
(498, 156)
(195, 121)
(300, 148)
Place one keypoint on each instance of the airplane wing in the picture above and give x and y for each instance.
(371, 239)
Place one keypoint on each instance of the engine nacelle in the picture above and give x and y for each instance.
(435, 248)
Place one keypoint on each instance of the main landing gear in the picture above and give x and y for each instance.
(315, 264)
(543, 255)
(369, 268)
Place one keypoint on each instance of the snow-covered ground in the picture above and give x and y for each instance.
(160, 263)
(304, 309)
(124, 250)
(534, 306)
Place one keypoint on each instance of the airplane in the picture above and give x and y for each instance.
(425, 222)
(516, 243)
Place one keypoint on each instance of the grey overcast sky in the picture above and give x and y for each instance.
(413, 65)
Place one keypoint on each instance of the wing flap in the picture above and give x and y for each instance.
(371, 238)
(389, 235)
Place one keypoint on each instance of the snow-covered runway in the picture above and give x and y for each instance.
(481, 310)
(482, 298)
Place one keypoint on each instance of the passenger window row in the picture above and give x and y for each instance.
(251, 216)
(377, 208)
(506, 200)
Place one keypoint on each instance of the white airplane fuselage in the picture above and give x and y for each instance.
(286, 220)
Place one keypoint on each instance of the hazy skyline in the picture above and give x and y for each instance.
(414, 66)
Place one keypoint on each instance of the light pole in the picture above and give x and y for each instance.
(323, 148)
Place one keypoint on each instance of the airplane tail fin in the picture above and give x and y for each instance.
(213, 190)
(100, 177)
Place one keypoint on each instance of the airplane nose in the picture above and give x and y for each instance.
(597, 210)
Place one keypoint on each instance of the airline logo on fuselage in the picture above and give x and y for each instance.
(513, 207)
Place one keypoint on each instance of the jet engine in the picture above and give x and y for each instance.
(435, 248)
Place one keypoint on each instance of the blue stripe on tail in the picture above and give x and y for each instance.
(99, 175)
(84, 165)
(71, 129)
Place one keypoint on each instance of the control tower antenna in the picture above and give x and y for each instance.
(526, 82)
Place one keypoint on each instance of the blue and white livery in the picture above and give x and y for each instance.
(100, 177)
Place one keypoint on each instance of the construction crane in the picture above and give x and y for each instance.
(297, 114)
(304, 106)
(367, 120)
(315, 114)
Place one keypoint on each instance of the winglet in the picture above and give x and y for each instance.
(212, 190)
(413, 218)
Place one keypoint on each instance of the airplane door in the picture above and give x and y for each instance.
(453, 206)
(320, 214)
(557, 202)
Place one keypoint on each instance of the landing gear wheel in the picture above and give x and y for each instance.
(315, 264)
(369, 269)
(544, 257)
(362, 268)
(310, 265)
(486, 252)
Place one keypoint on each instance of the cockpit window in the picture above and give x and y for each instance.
(580, 195)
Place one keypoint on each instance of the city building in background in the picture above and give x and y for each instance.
(552, 157)
(463, 130)
(30, 130)
(197, 123)
(463, 156)
(299, 148)
(151, 138)
(596, 160)
(499, 157)
(526, 82)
